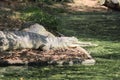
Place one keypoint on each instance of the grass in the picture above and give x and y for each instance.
(101, 28)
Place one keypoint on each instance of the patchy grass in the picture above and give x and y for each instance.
(102, 25)
(100, 28)
(37, 15)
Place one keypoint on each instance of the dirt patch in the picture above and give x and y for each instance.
(86, 5)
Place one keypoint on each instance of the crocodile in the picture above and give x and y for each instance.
(10, 40)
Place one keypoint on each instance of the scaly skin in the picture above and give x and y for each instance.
(10, 40)
(19, 39)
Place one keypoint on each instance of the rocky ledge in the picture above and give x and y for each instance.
(52, 57)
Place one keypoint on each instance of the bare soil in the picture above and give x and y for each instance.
(86, 6)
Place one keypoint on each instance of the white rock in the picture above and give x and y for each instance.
(89, 62)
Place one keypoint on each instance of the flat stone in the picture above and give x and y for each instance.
(88, 62)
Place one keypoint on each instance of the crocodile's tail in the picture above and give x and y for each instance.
(85, 44)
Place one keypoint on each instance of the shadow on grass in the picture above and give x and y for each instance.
(114, 56)
(99, 25)
(112, 53)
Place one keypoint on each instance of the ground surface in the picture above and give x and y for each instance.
(99, 27)
(86, 6)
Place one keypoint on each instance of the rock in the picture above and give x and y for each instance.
(36, 28)
(112, 4)
(69, 56)
(88, 62)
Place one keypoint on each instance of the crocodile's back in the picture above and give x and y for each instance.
(20, 39)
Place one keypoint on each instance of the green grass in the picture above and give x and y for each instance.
(101, 28)
(37, 15)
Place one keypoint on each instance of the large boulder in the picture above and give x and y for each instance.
(36, 28)
(112, 4)
(31, 57)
